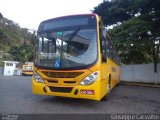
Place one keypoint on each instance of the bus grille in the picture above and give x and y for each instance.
(65, 82)
(60, 89)
(62, 74)
(52, 81)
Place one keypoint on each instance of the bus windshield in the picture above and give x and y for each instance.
(66, 49)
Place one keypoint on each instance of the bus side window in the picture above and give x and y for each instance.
(103, 45)
(107, 47)
(112, 52)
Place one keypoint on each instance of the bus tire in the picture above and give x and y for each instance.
(106, 97)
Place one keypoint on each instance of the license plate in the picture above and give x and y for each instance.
(87, 92)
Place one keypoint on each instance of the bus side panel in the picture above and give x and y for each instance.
(104, 78)
(114, 71)
(109, 69)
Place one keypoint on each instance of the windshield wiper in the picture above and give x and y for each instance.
(69, 37)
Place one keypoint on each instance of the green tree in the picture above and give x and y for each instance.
(12, 39)
(135, 38)
(22, 53)
(132, 41)
(1, 16)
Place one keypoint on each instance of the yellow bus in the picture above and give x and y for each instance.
(74, 57)
(27, 69)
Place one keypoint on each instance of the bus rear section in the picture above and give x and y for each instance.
(27, 69)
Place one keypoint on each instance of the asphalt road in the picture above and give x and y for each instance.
(16, 97)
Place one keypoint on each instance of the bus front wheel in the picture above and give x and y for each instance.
(106, 97)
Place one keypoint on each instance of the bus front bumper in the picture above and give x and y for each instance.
(86, 92)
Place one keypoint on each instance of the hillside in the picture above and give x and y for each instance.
(13, 40)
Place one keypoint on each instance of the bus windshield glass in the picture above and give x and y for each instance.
(66, 49)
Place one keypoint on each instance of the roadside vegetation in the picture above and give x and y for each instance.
(16, 43)
(136, 28)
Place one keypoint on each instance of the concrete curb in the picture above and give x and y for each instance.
(141, 84)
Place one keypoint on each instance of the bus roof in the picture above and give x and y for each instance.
(88, 14)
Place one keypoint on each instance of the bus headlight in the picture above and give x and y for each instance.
(90, 78)
(37, 78)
